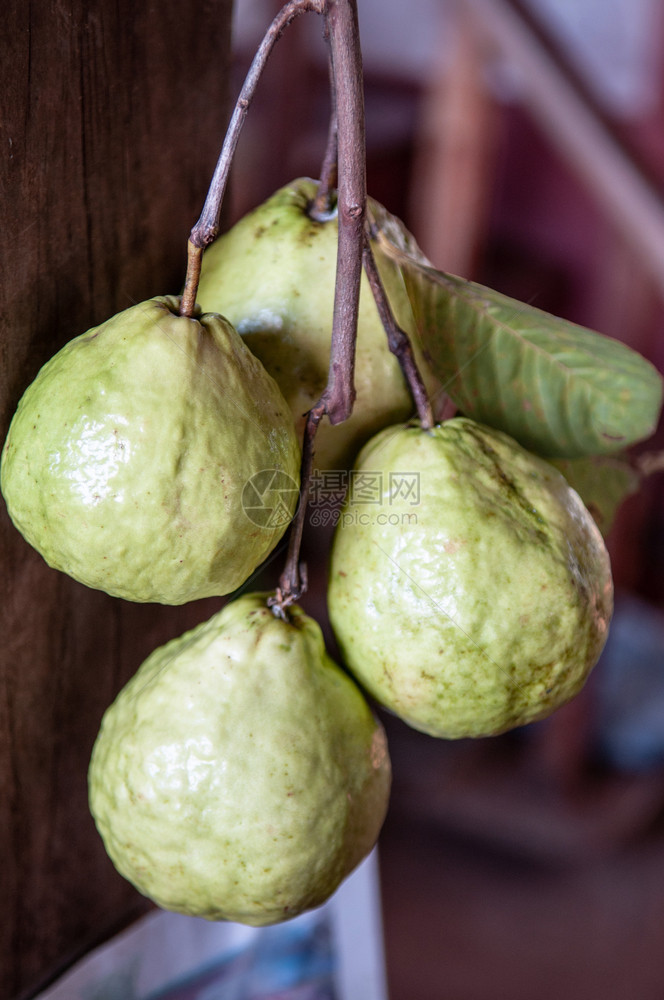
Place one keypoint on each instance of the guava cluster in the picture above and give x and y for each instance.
(241, 774)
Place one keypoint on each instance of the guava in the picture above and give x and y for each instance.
(127, 458)
(240, 774)
(470, 590)
(273, 276)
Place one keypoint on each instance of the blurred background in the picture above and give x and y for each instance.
(523, 145)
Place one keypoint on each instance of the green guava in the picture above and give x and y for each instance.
(470, 590)
(273, 276)
(240, 774)
(127, 459)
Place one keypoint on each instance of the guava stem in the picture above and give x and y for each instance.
(293, 580)
(207, 228)
(323, 203)
(398, 340)
(194, 261)
(346, 57)
(342, 32)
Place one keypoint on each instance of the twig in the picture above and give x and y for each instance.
(322, 204)
(194, 261)
(341, 17)
(398, 340)
(337, 399)
(293, 580)
(207, 228)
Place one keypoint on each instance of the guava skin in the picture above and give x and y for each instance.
(125, 461)
(273, 276)
(240, 774)
(484, 605)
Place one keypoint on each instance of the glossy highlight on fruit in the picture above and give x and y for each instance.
(240, 775)
(475, 594)
(127, 458)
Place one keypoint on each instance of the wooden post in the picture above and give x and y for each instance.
(111, 119)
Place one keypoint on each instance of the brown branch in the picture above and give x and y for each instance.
(207, 228)
(293, 580)
(341, 16)
(398, 340)
(325, 201)
(194, 261)
(337, 399)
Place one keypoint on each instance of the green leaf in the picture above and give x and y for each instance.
(558, 388)
(602, 483)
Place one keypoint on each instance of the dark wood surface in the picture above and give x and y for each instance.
(111, 118)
